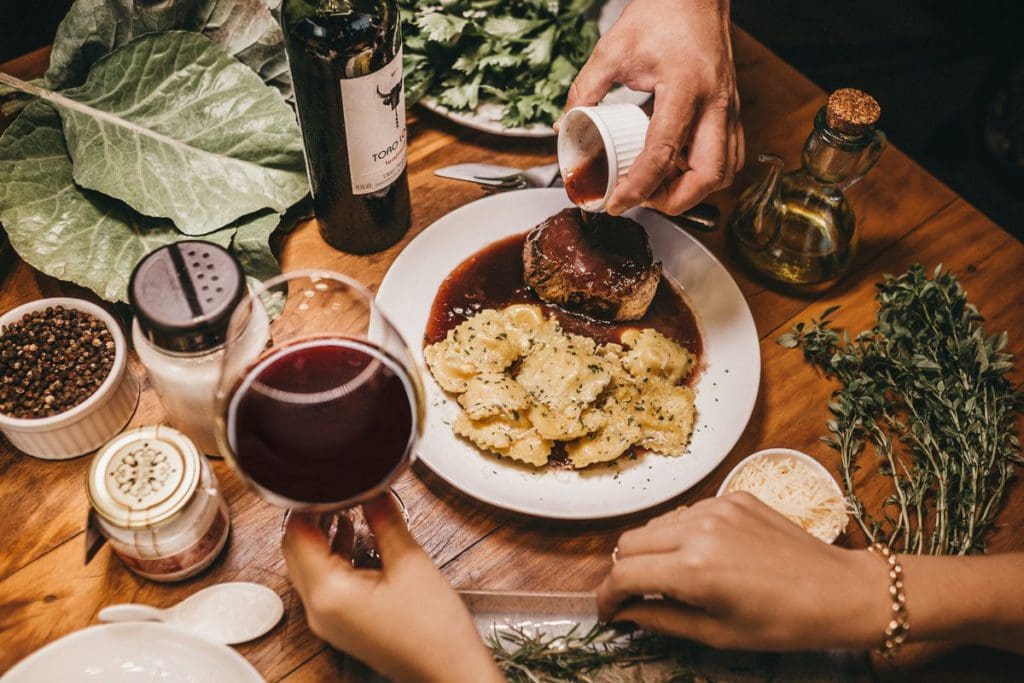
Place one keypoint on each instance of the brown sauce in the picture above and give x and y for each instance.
(493, 278)
(588, 181)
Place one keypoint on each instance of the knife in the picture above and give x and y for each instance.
(552, 612)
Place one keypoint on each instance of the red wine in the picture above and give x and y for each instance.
(588, 181)
(324, 421)
(346, 65)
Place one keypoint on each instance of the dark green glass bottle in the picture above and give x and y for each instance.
(346, 63)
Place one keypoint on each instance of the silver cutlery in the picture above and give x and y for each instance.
(703, 217)
(502, 178)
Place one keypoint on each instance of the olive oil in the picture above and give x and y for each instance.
(816, 239)
(797, 228)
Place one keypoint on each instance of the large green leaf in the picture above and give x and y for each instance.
(245, 29)
(62, 230)
(174, 127)
(251, 244)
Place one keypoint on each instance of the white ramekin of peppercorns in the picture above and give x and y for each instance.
(65, 384)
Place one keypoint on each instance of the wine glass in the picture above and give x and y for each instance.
(319, 403)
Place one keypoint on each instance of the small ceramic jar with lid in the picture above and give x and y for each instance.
(183, 295)
(157, 502)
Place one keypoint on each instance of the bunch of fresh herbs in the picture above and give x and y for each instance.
(154, 123)
(928, 377)
(522, 54)
(598, 653)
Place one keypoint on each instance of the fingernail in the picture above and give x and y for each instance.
(557, 123)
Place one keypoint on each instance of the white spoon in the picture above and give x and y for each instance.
(225, 613)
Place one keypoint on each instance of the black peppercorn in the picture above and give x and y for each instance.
(51, 360)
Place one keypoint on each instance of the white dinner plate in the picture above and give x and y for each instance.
(487, 116)
(726, 388)
(131, 653)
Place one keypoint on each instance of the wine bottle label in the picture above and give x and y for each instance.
(374, 107)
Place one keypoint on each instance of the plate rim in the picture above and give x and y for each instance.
(133, 626)
(529, 510)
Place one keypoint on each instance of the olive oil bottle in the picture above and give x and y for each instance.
(345, 58)
(798, 228)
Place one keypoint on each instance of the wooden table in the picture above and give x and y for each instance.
(905, 215)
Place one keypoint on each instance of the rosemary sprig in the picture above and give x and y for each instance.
(927, 377)
(600, 653)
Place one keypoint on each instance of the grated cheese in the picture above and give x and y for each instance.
(795, 490)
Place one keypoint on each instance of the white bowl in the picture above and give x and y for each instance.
(779, 454)
(619, 129)
(92, 422)
(133, 652)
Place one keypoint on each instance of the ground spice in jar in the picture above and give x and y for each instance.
(51, 360)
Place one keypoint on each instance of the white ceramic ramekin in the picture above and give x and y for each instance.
(779, 454)
(92, 422)
(619, 129)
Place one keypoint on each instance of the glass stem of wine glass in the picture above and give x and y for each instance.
(349, 534)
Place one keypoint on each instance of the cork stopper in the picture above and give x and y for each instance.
(852, 112)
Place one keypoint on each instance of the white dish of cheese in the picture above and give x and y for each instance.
(795, 485)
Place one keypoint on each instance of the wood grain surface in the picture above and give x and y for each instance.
(905, 216)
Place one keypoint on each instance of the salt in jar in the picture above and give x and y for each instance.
(183, 295)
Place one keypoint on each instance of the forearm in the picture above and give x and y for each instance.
(978, 600)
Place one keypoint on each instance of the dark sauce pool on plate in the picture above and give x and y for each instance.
(493, 278)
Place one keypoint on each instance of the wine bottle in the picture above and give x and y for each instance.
(346, 63)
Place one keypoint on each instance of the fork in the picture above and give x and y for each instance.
(545, 175)
(703, 217)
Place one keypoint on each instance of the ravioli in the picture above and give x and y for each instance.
(652, 354)
(524, 384)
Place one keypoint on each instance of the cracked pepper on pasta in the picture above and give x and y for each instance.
(523, 384)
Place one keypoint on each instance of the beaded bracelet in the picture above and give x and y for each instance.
(896, 629)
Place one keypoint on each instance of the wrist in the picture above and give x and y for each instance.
(472, 662)
(870, 605)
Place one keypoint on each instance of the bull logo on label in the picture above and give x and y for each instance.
(392, 99)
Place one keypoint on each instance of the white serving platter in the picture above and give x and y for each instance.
(726, 388)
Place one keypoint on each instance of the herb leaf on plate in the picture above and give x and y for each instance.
(63, 230)
(245, 29)
(522, 54)
(176, 128)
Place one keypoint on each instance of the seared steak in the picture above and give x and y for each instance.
(597, 264)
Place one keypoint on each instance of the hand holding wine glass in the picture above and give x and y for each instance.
(404, 620)
(329, 416)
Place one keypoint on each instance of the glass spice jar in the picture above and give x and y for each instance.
(158, 504)
(183, 295)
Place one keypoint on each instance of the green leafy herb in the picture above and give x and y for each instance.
(196, 138)
(245, 29)
(251, 244)
(63, 230)
(156, 122)
(928, 377)
(581, 654)
(522, 54)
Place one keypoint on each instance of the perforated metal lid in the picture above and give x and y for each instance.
(143, 477)
(183, 295)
